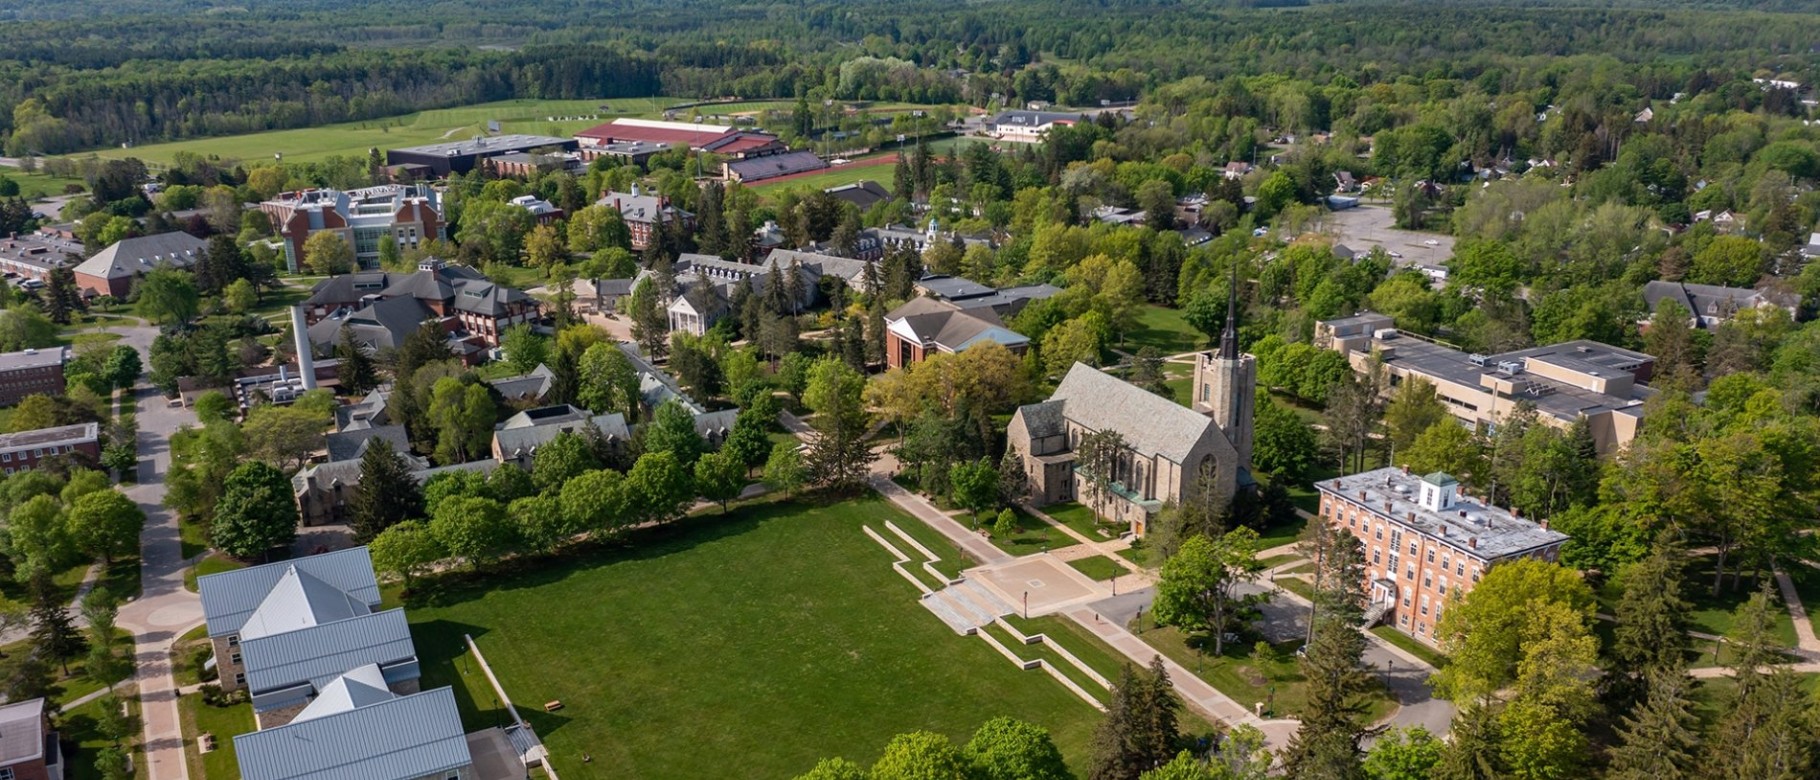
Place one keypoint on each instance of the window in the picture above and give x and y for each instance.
(6, 457)
(1424, 605)
(235, 658)
(1380, 533)
(1459, 569)
(1428, 580)
(1394, 558)
(1396, 538)
(6, 773)
(1431, 555)
(240, 679)
(1410, 573)
(1402, 620)
(1443, 586)
(1374, 556)
(1422, 628)
(1412, 549)
(233, 640)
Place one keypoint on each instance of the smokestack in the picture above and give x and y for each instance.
(306, 360)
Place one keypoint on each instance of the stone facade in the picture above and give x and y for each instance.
(229, 666)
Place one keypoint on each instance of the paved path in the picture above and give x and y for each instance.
(164, 609)
(1805, 640)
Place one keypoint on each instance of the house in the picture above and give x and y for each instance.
(863, 194)
(1116, 215)
(528, 388)
(1563, 382)
(1167, 448)
(1237, 169)
(368, 412)
(1425, 543)
(34, 255)
(409, 214)
(29, 749)
(541, 210)
(1710, 304)
(644, 213)
(1723, 221)
(273, 598)
(771, 166)
(1029, 126)
(78, 444)
(925, 326)
(516, 440)
(113, 270)
(464, 156)
(31, 372)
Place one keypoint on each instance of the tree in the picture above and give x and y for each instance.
(1729, 261)
(836, 769)
(659, 487)
(359, 375)
(720, 477)
(387, 494)
(1660, 739)
(561, 459)
(1447, 447)
(1327, 745)
(544, 248)
(105, 524)
(473, 528)
(608, 381)
(105, 664)
(213, 405)
(284, 436)
(256, 512)
(1473, 752)
(1413, 409)
(167, 295)
(1542, 723)
(1007, 749)
(838, 456)
(596, 501)
(37, 537)
(25, 327)
(54, 633)
(325, 252)
(1353, 411)
(673, 431)
(1282, 444)
(1097, 459)
(749, 443)
(406, 549)
(598, 227)
(1139, 731)
(1198, 586)
(525, 350)
(922, 755)
(1651, 632)
(462, 415)
(1484, 634)
(784, 469)
(1006, 524)
(1404, 754)
(975, 485)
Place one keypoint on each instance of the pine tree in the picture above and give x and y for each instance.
(1770, 732)
(795, 287)
(359, 375)
(1139, 730)
(1658, 740)
(1327, 745)
(903, 182)
(1472, 750)
(54, 632)
(1651, 633)
(386, 495)
(875, 329)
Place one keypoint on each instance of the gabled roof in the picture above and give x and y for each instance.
(346, 288)
(1150, 423)
(401, 738)
(483, 297)
(352, 444)
(383, 324)
(534, 385)
(946, 326)
(524, 432)
(230, 598)
(863, 194)
(134, 256)
(21, 731)
(359, 687)
(300, 600)
(317, 654)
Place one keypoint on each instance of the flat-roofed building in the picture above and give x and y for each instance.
(408, 213)
(1564, 382)
(34, 255)
(31, 372)
(27, 450)
(463, 156)
(1424, 542)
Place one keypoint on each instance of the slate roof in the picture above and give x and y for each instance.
(1711, 300)
(21, 731)
(482, 297)
(944, 325)
(400, 738)
(368, 412)
(300, 600)
(352, 444)
(1150, 423)
(641, 207)
(382, 324)
(534, 385)
(135, 256)
(523, 433)
(319, 654)
(230, 598)
(346, 288)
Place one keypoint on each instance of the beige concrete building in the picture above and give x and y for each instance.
(1424, 542)
(1564, 382)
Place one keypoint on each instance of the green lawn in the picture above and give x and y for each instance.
(1082, 520)
(1238, 673)
(223, 722)
(771, 638)
(1710, 696)
(1711, 613)
(69, 687)
(33, 186)
(195, 538)
(1098, 567)
(77, 728)
(1285, 533)
(1165, 329)
(187, 654)
(1136, 553)
(1403, 641)
(1278, 560)
(215, 563)
(1033, 536)
(885, 175)
(13, 594)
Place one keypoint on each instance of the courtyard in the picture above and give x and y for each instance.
(752, 644)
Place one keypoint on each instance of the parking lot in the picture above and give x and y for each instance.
(1365, 227)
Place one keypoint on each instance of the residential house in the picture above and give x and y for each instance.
(1425, 543)
(1563, 382)
(78, 444)
(112, 271)
(31, 372)
(29, 749)
(1237, 169)
(1708, 305)
(516, 440)
(644, 213)
(409, 214)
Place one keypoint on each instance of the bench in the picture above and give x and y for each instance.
(552, 705)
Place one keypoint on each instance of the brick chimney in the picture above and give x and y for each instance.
(1442, 531)
(1473, 543)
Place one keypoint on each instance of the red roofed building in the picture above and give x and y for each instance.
(719, 139)
(409, 213)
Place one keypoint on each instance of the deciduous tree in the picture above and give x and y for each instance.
(256, 512)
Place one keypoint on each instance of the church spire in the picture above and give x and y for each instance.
(1229, 340)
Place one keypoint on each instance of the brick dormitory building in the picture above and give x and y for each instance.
(1424, 542)
(31, 372)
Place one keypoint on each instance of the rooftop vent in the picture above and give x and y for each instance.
(1476, 359)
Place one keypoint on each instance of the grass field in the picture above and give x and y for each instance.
(1712, 614)
(1083, 521)
(1165, 329)
(833, 177)
(223, 722)
(33, 186)
(78, 726)
(1403, 641)
(769, 638)
(1098, 567)
(1238, 672)
(214, 564)
(1033, 535)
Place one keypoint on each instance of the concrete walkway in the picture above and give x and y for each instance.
(164, 609)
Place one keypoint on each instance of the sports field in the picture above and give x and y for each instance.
(763, 640)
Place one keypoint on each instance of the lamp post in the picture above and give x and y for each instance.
(1026, 605)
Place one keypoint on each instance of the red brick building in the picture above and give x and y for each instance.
(31, 372)
(644, 212)
(1424, 543)
(28, 747)
(409, 213)
(26, 450)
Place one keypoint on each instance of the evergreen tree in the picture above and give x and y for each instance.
(1327, 745)
(387, 494)
(1770, 732)
(710, 225)
(1651, 632)
(1658, 740)
(903, 181)
(1139, 731)
(359, 374)
(1473, 750)
(53, 630)
(62, 296)
(875, 327)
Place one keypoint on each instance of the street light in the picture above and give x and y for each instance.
(1026, 605)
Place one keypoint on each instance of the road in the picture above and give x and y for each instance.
(164, 609)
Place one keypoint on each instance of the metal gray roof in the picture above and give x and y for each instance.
(350, 445)
(1468, 525)
(230, 598)
(1150, 423)
(300, 600)
(404, 738)
(135, 256)
(33, 358)
(318, 654)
